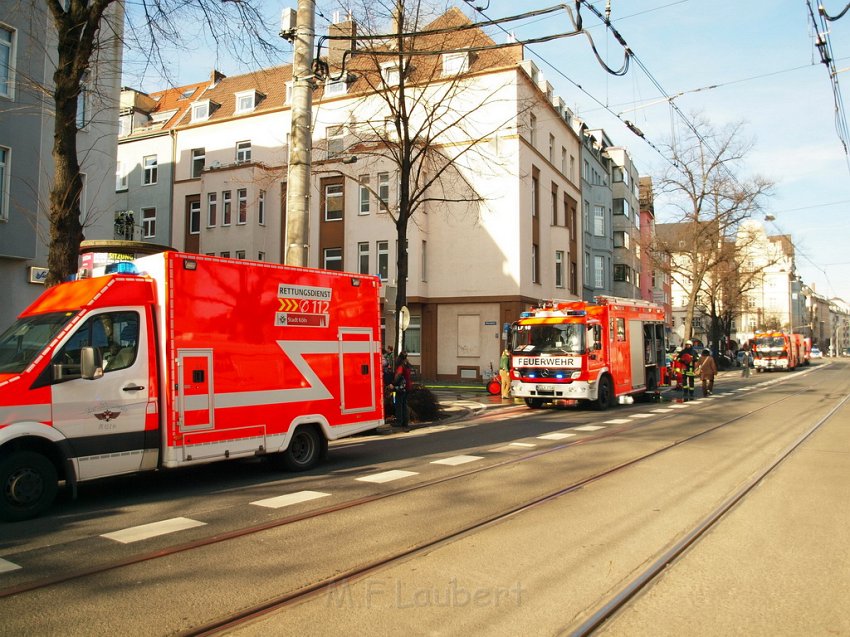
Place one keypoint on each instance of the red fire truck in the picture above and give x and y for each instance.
(593, 352)
(778, 350)
(181, 359)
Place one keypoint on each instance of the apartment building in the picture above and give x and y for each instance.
(494, 235)
(655, 277)
(597, 212)
(27, 64)
(627, 249)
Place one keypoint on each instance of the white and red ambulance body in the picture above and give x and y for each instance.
(192, 360)
(593, 352)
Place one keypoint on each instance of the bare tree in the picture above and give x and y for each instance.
(87, 36)
(419, 116)
(704, 188)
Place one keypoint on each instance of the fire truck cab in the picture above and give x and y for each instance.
(588, 352)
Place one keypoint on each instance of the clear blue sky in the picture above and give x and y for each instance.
(760, 56)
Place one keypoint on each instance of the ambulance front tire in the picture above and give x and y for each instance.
(534, 403)
(306, 448)
(28, 485)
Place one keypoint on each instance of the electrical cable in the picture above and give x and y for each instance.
(832, 18)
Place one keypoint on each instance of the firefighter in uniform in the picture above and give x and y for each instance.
(687, 360)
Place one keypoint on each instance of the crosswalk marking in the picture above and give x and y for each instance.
(289, 499)
(522, 444)
(641, 415)
(555, 436)
(456, 460)
(6, 566)
(666, 410)
(617, 421)
(154, 529)
(387, 476)
(589, 428)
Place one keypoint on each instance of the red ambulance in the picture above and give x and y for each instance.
(179, 359)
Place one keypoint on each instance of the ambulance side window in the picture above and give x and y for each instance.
(114, 334)
(621, 329)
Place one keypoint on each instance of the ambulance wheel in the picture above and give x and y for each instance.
(306, 448)
(534, 403)
(29, 484)
(605, 395)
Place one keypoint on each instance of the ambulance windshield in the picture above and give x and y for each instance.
(26, 338)
(558, 338)
(770, 343)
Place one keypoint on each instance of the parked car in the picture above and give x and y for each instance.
(739, 358)
(815, 353)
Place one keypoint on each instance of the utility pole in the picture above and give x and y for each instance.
(300, 138)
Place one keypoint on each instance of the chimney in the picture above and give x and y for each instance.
(216, 77)
(337, 48)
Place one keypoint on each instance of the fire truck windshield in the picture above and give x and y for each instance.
(561, 338)
(23, 341)
(770, 343)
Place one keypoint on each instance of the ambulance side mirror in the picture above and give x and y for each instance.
(91, 363)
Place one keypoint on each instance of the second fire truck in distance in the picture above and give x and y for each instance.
(589, 352)
(778, 350)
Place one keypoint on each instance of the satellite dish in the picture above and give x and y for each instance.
(403, 318)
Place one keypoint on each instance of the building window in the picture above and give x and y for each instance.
(149, 174)
(338, 87)
(424, 263)
(7, 62)
(384, 191)
(333, 202)
(242, 206)
(120, 176)
(598, 221)
(148, 223)
(226, 208)
(246, 101)
(390, 72)
(212, 209)
(554, 204)
(599, 272)
(573, 277)
(535, 264)
(532, 129)
(551, 149)
(413, 336)
(199, 159)
(383, 253)
(201, 111)
(240, 254)
(363, 257)
(5, 157)
(261, 208)
(455, 63)
(572, 169)
(243, 152)
(559, 268)
(621, 207)
(364, 195)
(534, 193)
(261, 256)
(563, 160)
(621, 240)
(332, 259)
(336, 140)
(587, 269)
(195, 217)
(622, 273)
(226, 254)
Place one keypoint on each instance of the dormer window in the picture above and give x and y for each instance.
(201, 111)
(246, 101)
(391, 73)
(339, 87)
(455, 63)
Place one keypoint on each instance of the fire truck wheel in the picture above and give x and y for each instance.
(305, 449)
(534, 403)
(29, 483)
(605, 397)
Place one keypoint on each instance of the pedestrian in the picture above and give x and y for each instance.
(401, 385)
(707, 372)
(687, 362)
(746, 363)
(505, 373)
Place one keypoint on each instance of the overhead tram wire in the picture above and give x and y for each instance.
(831, 18)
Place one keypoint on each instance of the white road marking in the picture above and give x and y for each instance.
(522, 444)
(154, 529)
(666, 410)
(555, 436)
(456, 460)
(6, 566)
(589, 428)
(290, 498)
(387, 476)
(641, 416)
(618, 421)
(680, 406)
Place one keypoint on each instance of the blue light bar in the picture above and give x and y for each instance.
(121, 267)
(526, 314)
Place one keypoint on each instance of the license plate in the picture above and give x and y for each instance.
(545, 388)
